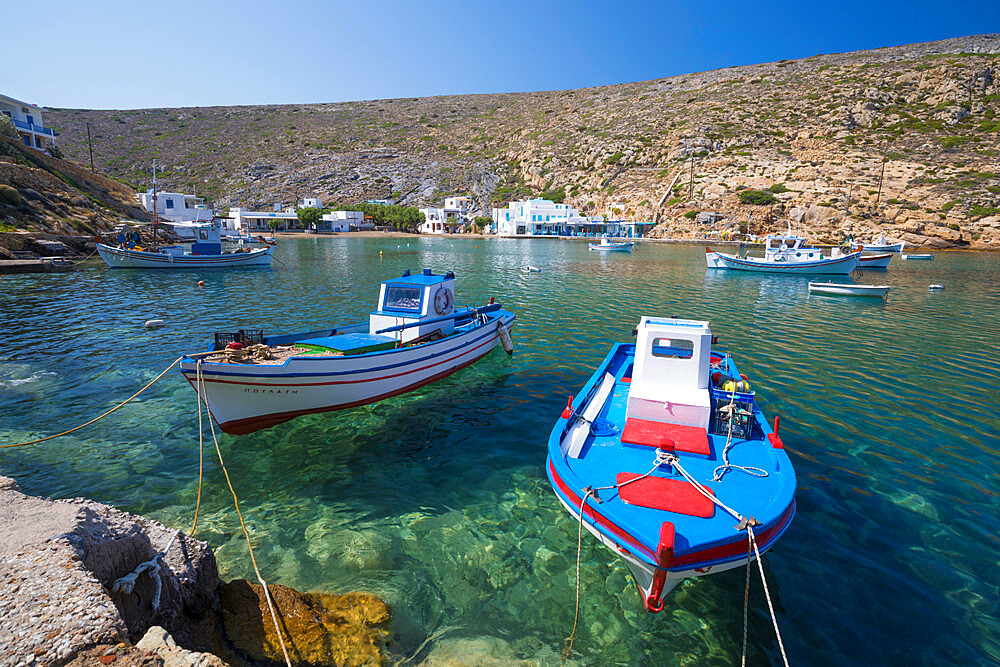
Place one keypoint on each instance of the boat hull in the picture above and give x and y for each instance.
(244, 398)
(880, 261)
(123, 258)
(884, 247)
(836, 289)
(925, 258)
(834, 266)
(613, 247)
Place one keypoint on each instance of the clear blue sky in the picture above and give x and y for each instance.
(163, 54)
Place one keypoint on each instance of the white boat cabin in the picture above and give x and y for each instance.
(789, 249)
(409, 299)
(670, 380)
(207, 240)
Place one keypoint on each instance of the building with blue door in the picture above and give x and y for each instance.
(27, 120)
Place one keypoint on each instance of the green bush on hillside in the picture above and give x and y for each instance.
(691, 215)
(757, 197)
(9, 195)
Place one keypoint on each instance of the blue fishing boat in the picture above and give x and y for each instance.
(667, 459)
(608, 245)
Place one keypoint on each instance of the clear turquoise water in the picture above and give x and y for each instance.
(438, 501)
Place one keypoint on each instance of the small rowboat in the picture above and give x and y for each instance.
(927, 256)
(842, 289)
(665, 457)
(416, 336)
(879, 261)
(607, 245)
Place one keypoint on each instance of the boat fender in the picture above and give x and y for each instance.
(153, 323)
(235, 345)
(505, 341)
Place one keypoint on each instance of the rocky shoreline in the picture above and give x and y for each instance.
(63, 601)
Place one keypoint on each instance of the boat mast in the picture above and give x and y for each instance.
(155, 249)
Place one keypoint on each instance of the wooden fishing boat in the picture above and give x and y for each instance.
(416, 336)
(875, 261)
(608, 245)
(786, 254)
(925, 256)
(881, 245)
(842, 289)
(205, 253)
(669, 460)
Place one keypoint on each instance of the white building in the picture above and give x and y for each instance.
(454, 212)
(176, 206)
(245, 221)
(538, 217)
(27, 120)
(342, 221)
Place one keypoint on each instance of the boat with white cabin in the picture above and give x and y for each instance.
(667, 459)
(608, 245)
(882, 245)
(789, 254)
(204, 253)
(416, 336)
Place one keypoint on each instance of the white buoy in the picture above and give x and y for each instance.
(936, 286)
(152, 324)
(505, 342)
(532, 269)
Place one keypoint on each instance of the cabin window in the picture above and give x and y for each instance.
(398, 297)
(676, 348)
(170, 203)
(203, 234)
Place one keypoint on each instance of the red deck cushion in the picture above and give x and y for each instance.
(689, 439)
(671, 495)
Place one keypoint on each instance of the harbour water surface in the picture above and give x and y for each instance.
(438, 501)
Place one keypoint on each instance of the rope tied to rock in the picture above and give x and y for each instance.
(246, 533)
(127, 583)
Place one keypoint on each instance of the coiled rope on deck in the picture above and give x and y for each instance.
(239, 513)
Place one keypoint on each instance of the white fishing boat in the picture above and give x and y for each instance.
(786, 254)
(416, 336)
(205, 253)
(876, 261)
(925, 256)
(843, 289)
(881, 245)
(608, 245)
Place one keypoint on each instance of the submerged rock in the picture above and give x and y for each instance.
(319, 628)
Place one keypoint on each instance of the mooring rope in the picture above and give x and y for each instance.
(201, 447)
(579, 545)
(726, 466)
(246, 533)
(99, 417)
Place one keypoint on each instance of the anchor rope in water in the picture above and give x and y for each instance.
(99, 417)
(246, 533)
(579, 545)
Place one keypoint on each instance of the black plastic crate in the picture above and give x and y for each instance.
(243, 337)
(744, 424)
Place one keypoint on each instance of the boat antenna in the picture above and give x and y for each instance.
(155, 248)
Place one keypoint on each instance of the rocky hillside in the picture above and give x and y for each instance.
(45, 195)
(813, 132)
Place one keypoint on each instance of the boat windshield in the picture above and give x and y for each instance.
(398, 297)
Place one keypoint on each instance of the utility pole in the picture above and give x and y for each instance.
(90, 146)
(691, 187)
(878, 197)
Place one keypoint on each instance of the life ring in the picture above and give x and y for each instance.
(443, 301)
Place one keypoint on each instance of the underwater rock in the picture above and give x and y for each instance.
(318, 628)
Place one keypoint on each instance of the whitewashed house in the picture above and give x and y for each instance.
(454, 212)
(27, 119)
(342, 221)
(245, 221)
(538, 217)
(176, 206)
